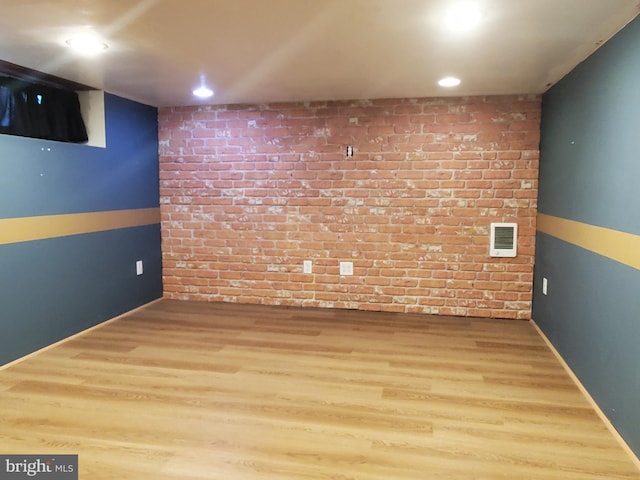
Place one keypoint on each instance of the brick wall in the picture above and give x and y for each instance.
(249, 192)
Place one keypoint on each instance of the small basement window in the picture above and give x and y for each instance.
(40, 111)
(40, 105)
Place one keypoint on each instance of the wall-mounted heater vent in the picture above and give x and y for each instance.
(504, 240)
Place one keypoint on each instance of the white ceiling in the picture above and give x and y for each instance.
(254, 51)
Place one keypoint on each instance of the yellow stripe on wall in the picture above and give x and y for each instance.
(25, 229)
(619, 246)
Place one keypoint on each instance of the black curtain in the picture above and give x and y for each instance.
(32, 110)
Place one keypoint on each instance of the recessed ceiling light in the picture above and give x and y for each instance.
(203, 91)
(463, 16)
(449, 82)
(86, 44)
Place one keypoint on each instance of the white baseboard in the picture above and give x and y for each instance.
(589, 398)
(75, 335)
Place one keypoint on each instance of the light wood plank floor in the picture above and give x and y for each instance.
(182, 390)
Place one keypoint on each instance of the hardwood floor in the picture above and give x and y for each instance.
(182, 390)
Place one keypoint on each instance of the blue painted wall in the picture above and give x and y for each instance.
(50, 289)
(589, 171)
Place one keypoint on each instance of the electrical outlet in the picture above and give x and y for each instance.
(139, 268)
(544, 286)
(307, 266)
(346, 268)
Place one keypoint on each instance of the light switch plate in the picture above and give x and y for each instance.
(307, 266)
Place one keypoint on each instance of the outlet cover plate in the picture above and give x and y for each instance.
(346, 268)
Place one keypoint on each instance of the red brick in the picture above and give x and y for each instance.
(248, 187)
